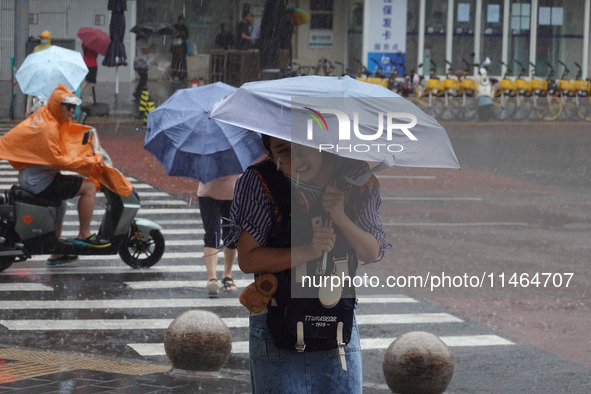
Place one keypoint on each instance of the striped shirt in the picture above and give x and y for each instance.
(251, 210)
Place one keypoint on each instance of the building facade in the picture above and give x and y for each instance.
(437, 33)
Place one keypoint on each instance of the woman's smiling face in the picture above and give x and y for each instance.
(296, 161)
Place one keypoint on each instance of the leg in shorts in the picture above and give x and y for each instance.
(62, 188)
(91, 76)
(212, 211)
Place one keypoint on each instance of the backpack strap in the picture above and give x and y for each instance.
(277, 187)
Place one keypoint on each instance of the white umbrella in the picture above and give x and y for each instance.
(43, 71)
(340, 115)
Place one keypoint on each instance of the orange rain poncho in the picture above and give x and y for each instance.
(46, 138)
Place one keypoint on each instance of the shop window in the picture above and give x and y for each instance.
(520, 17)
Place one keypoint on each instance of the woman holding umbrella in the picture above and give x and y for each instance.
(261, 226)
(179, 50)
(90, 79)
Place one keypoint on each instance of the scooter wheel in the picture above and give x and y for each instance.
(142, 254)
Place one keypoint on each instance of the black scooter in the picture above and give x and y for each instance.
(28, 223)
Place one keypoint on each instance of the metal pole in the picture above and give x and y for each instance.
(586, 38)
(533, 33)
(449, 32)
(505, 45)
(21, 34)
(478, 32)
(421, 48)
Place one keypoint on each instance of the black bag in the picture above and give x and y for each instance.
(320, 328)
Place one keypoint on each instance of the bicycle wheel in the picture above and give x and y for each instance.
(548, 108)
(451, 108)
(584, 108)
(569, 109)
(504, 107)
(431, 104)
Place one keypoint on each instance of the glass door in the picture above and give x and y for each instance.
(519, 36)
(435, 23)
(492, 34)
(560, 36)
(463, 33)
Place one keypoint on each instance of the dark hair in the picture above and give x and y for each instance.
(180, 17)
(267, 143)
(244, 13)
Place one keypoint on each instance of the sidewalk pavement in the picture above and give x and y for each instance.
(122, 108)
(35, 371)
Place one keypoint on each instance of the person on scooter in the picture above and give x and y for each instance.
(41, 175)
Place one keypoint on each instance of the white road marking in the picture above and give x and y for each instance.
(164, 231)
(231, 322)
(85, 269)
(241, 347)
(147, 203)
(75, 223)
(173, 284)
(24, 287)
(151, 303)
(87, 259)
(146, 211)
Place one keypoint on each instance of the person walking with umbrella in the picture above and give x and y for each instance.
(264, 214)
(89, 56)
(94, 42)
(215, 199)
(34, 103)
(189, 144)
(178, 66)
(141, 64)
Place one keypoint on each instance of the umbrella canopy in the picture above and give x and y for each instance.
(43, 71)
(340, 115)
(115, 55)
(95, 39)
(153, 28)
(298, 16)
(189, 144)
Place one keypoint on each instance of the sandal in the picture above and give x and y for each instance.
(212, 287)
(229, 284)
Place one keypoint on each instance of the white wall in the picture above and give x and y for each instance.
(305, 55)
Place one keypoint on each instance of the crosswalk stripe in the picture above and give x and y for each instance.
(90, 258)
(135, 186)
(164, 231)
(86, 269)
(146, 211)
(169, 242)
(147, 203)
(241, 347)
(176, 213)
(24, 287)
(158, 303)
(174, 284)
(75, 223)
(231, 322)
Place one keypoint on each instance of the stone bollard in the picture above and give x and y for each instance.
(197, 341)
(418, 362)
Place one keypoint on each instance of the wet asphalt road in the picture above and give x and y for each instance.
(519, 204)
